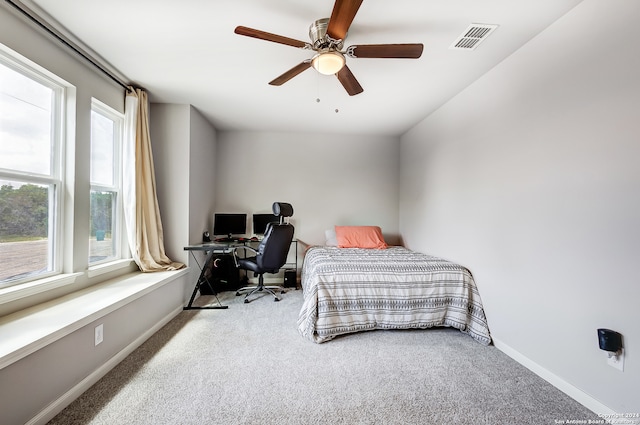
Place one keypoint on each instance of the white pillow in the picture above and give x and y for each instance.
(330, 237)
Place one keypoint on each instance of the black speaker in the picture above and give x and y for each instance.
(609, 340)
(290, 277)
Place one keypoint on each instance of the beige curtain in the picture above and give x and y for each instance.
(142, 215)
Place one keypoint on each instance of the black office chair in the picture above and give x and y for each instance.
(271, 254)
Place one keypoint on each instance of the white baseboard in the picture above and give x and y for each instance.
(575, 393)
(67, 398)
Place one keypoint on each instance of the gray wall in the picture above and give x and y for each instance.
(529, 177)
(202, 163)
(41, 384)
(169, 130)
(29, 385)
(328, 178)
(184, 151)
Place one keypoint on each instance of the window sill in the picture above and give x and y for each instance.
(24, 290)
(109, 267)
(17, 292)
(24, 332)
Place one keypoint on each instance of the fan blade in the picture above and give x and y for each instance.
(349, 82)
(303, 66)
(262, 35)
(341, 17)
(398, 51)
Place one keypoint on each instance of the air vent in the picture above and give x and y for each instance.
(471, 38)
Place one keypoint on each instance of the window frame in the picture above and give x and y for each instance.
(55, 179)
(117, 229)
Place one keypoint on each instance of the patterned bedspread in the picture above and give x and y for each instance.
(350, 290)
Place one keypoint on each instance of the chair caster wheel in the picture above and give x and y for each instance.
(237, 294)
(246, 301)
(276, 299)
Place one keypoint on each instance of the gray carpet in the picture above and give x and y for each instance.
(249, 365)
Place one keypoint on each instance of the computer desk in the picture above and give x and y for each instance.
(209, 248)
(217, 247)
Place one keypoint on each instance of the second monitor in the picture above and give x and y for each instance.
(260, 222)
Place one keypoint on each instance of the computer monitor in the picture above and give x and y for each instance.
(260, 222)
(227, 225)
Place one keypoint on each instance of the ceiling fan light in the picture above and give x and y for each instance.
(328, 63)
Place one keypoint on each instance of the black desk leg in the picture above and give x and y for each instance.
(203, 279)
(190, 306)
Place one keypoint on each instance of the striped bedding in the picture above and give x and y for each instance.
(349, 290)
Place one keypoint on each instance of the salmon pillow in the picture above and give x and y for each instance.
(360, 237)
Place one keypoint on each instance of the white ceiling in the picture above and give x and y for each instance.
(186, 52)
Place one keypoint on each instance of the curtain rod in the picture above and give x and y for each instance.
(67, 43)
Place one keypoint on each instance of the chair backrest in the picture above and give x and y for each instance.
(273, 250)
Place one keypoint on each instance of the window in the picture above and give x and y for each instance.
(105, 200)
(31, 115)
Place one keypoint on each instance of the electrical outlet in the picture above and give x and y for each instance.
(617, 361)
(99, 335)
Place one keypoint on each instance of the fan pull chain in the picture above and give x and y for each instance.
(336, 110)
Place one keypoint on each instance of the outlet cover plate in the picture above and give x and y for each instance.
(99, 334)
(617, 361)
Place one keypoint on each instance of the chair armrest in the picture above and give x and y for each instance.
(245, 248)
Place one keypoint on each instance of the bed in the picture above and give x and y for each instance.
(350, 290)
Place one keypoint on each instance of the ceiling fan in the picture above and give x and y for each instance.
(327, 40)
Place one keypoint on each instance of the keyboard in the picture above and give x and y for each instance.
(225, 239)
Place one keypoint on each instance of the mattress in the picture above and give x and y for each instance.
(350, 290)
